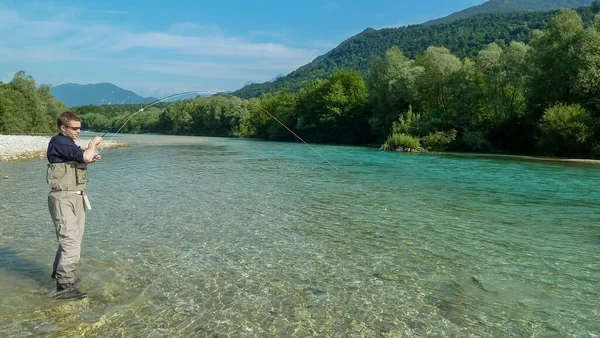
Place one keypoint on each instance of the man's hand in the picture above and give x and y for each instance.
(95, 141)
(90, 155)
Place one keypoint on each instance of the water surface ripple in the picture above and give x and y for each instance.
(196, 237)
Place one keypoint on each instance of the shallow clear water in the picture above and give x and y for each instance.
(193, 236)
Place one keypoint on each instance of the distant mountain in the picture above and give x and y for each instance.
(505, 6)
(464, 37)
(73, 94)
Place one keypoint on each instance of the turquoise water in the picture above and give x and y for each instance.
(194, 237)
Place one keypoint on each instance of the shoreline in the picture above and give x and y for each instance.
(15, 148)
(526, 157)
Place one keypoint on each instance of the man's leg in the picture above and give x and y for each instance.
(79, 237)
(64, 209)
(55, 264)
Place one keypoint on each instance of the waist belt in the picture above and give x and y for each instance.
(78, 192)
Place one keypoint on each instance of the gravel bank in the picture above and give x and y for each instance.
(24, 147)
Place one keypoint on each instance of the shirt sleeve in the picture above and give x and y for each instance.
(66, 150)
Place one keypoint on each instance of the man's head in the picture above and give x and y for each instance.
(69, 124)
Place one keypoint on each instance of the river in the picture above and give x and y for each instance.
(194, 237)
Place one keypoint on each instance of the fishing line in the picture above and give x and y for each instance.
(131, 115)
(298, 137)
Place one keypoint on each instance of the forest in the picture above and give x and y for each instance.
(540, 97)
(464, 38)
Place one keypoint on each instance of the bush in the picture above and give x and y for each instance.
(438, 141)
(407, 123)
(475, 140)
(566, 129)
(401, 140)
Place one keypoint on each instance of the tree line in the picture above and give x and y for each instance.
(536, 98)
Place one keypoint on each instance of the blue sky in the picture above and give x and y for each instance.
(156, 48)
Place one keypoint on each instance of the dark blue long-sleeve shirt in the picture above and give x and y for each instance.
(62, 149)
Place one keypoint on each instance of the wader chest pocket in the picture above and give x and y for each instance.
(81, 173)
(55, 173)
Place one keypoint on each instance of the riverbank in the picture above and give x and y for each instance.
(520, 158)
(27, 147)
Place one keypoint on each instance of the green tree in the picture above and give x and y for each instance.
(335, 110)
(500, 75)
(555, 61)
(500, 78)
(435, 86)
(345, 113)
(25, 108)
(216, 115)
(260, 121)
(176, 118)
(12, 119)
(587, 80)
(566, 130)
(309, 109)
(95, 121)
(392, 88)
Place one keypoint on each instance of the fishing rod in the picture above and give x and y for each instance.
(131, 115)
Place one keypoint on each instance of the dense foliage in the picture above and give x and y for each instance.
(464, 38)
(26, 108)
(536, 98)
(541, 98)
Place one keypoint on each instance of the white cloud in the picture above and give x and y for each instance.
(44, 54)
(69, 35)
(213, 70)
(192, 69)
(218, 46)
(191, 28)
(187, 49)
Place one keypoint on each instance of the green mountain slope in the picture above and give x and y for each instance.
(463, 37)
(504, 6)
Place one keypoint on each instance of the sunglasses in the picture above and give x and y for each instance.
(74, 128)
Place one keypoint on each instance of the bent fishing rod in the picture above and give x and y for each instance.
(131, 115)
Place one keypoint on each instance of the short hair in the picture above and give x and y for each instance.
(66, 117)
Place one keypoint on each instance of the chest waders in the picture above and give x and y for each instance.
(67, 202)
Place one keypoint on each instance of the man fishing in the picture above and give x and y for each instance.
(67, 177)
